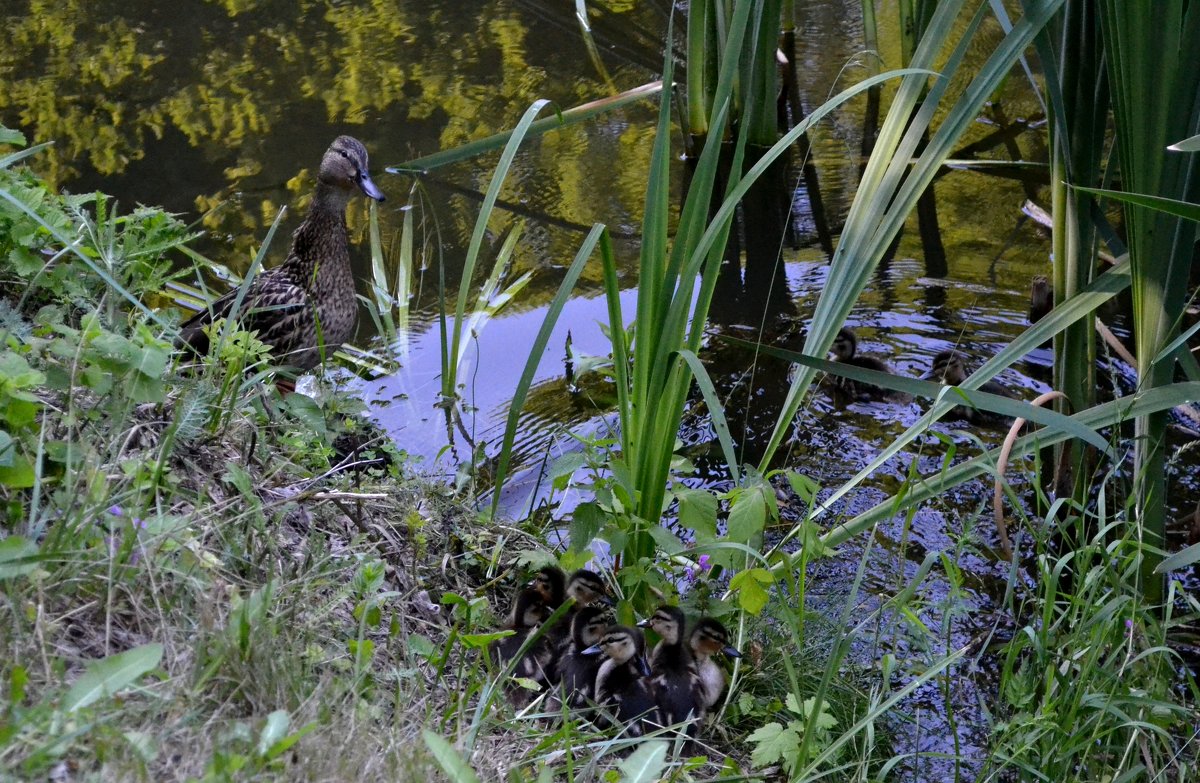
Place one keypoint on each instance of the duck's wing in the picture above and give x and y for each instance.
(276, 307)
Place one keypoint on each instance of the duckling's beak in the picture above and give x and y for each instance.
(607, 600)
(731, 651)
(593, 650)
(643, 666)
(368, 187)
(644, 623)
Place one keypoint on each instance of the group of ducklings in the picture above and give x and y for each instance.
(950, 367)
(587, 662)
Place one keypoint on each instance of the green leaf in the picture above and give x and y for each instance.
(749, 586)
(13, 137)
(1187, 145)
(564, 467)
(698, 512)
(17, 556)
(773, 744)
(110, 675)
(479, 640)
(455, 767)
(586, 522)
(646, 764)
(1179, 560)
(421, 645)
(19, 475)
(273, 730)
(747, 514)
(1170, 206)
(666, 541)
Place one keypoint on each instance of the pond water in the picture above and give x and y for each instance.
(221, 110)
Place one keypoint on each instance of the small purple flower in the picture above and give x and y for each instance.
(1129, 626)
(116, 511)
(139, 523)
(703, 563)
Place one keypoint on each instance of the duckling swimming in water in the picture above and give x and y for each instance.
(622, 681)
(950, 367)
(845, 351)
(677, 684)
(707, 639)
(528, 612)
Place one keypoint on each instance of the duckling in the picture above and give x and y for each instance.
(528, 612)
(551, 583)
(584, 588)
(950, 367)
(708, 638)
(677, 684)
(577, 671)
(307, 304)
(845, 351)
(622, 681)
(1041, 298)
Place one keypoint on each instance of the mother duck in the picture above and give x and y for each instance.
(305, 308)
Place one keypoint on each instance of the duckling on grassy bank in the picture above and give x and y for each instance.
(677, 686)
(710, 638)
(623, 686)
(306, 307)
(528, 613)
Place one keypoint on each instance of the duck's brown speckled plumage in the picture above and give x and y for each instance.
(307, 304)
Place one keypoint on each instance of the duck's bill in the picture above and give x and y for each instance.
(608, 600)
(731, 651)
(369, 187)
(593, 650)
(644, 623)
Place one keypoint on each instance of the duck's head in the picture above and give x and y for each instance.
(668, 622)
(587, 626)
(845, 345)
(529, 610)
(622, 644)
(586, 587)
(550, 584)
(1041, 298)
(949, 367)
(710, 637)
(344, 168)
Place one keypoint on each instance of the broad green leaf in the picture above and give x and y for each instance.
(110, 675)
(273, 730)
(773, 744)
(17, 556)
(698, 512)
(479, 640)
(455, 767)
(586, 521)
(747, 515)
(646, 764)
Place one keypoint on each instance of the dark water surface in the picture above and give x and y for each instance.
(221, 110)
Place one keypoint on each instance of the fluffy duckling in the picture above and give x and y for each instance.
(528, 612)
(577, 671)
(551, 583)
(950, 367)
(1041, 298)
(584, 588)
(845, 351)
(677, 684)
(307, 304)
(709, 638)
(622, 681)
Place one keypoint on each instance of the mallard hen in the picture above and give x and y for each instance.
(306, 307)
